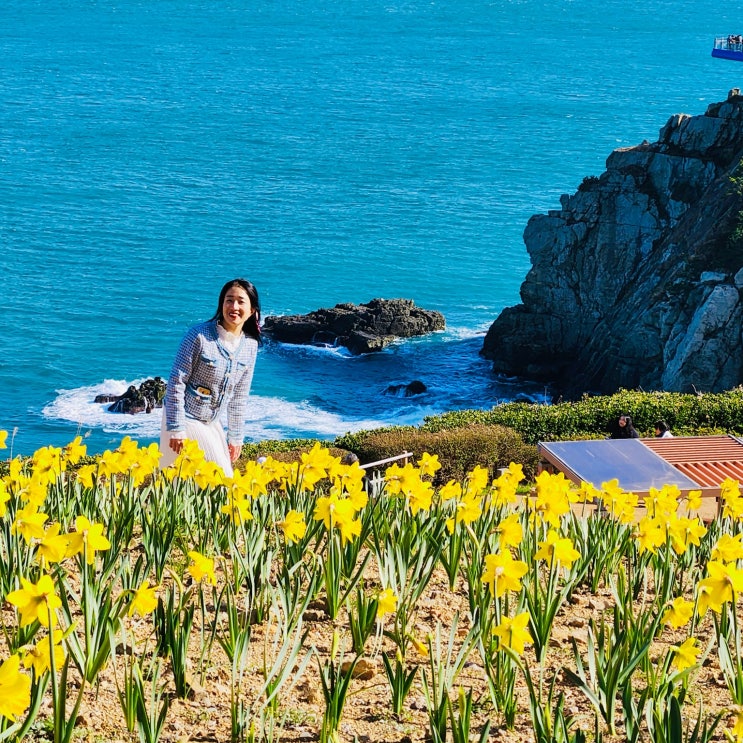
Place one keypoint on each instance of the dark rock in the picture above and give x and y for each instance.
(143, 399)
(105, 398)
(637, 280)
(363, 328)
(416, 387)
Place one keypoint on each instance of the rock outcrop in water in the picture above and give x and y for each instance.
(363, 328)
(637, 280)
(143, 399)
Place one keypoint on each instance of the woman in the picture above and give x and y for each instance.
(662, 430)
(211, 375)
(625, 429)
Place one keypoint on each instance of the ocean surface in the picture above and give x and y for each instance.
(330, 152)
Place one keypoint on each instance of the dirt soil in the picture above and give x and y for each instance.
(367, 716)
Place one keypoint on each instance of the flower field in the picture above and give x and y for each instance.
(288, 603)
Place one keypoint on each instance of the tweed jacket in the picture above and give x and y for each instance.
(208, 379)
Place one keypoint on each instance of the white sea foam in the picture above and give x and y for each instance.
(268, 417)
(78, 406)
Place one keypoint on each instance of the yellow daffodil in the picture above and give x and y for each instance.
(510, 530)
(686, 654)
(730, 497)
(53, 547)
(401, 479)
(293, 526)
(429, 464)
(557, 549)
(685, 531)
(15, 689)
(451, 491)
(420, 496)
(29, 523)
(587, 493)
(386, 603)
(512, 632)
(88, 538)
(693, 500)
(4, 498)
(47, 464)
(349, 529)
(737, 729)
(334, 511)
(468, 510)
(201, 568)
(650, 533)
(502, 573)
(325, 508)
(36, 601)
(314, 466)
(506, 485)
(75, 450)
(663, 503)
(3, 439)
(349, 477)
(678, 613)
(728, 548)
(86, 475)
(356, 494)
(39, 656)
(421, 647)
(32, 490)
(238, 507)
(552, 500)
(477, 481)
(722, 583)
(145, 600)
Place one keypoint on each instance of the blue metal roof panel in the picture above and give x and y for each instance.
(637, 467)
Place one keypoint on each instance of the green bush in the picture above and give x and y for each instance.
(594, 417)
(285, 450)
(459, 449)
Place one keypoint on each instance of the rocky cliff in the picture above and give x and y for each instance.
(637, 280)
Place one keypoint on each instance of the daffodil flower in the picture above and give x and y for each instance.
(293, 526)
(512, 632)
(36, 601)
(145, 600)
(685, 655)
(678, 613)
(202, 568)
(15, 689)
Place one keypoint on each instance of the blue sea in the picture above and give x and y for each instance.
(328, 151)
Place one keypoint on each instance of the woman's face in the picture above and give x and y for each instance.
(236, 309)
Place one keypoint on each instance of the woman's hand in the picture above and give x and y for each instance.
(235, 450)
(176, 444)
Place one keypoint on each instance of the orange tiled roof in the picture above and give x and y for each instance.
(708, 460)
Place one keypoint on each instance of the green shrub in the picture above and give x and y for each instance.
(594, 416)
(286, 450)
(459, 449)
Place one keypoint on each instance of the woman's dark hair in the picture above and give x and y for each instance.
(252, 325)
(662, 426)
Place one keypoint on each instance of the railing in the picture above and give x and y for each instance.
(375, 482)
(731, 43)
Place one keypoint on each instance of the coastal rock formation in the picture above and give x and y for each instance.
(143, 399)
(363, 328)
(416, 387)
(637, 280)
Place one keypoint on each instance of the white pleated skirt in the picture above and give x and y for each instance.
(209, 436)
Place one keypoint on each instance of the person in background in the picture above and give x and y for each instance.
(624, 429)
(662, 430)
(211, 376)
